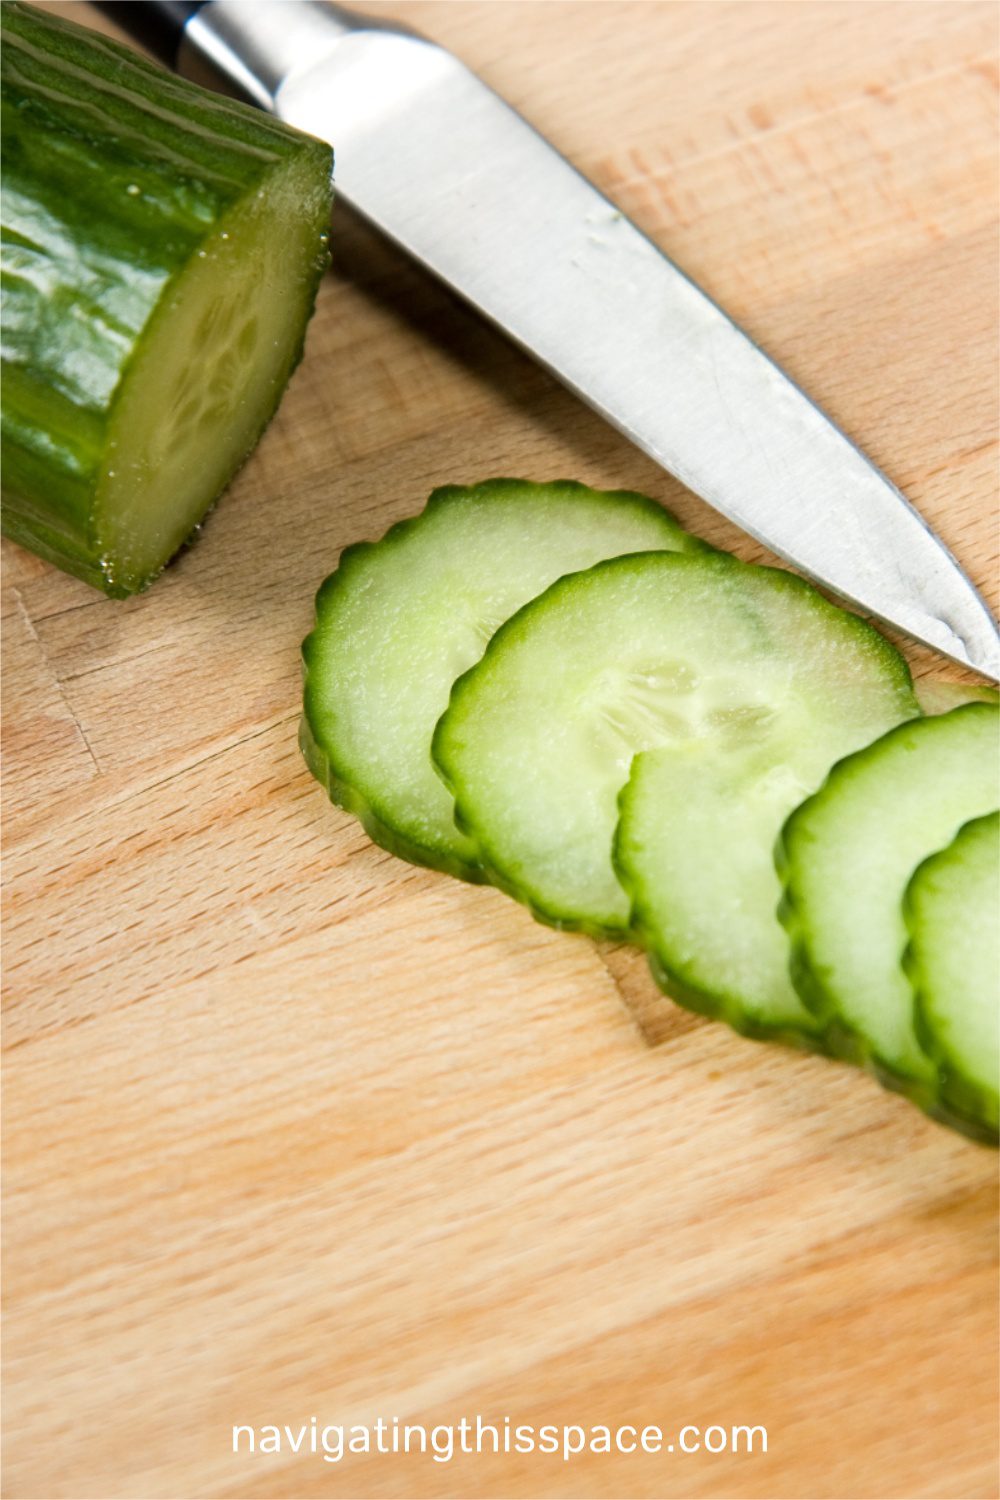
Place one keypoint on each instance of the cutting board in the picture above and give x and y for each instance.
(297, 1131)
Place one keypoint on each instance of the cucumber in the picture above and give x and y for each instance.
(400, 619)
(846, 856)
(693, 850)
(951, 908)
(738, 668)
(162, 248)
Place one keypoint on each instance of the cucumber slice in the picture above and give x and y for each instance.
(951, 912)
(730, 664)
(162, 247)
(400, 619)
(846, 856)
(693, 849)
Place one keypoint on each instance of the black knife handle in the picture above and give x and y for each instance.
(156, 24)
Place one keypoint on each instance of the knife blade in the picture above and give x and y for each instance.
(434, 159)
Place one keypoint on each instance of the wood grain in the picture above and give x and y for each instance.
(295, 1130)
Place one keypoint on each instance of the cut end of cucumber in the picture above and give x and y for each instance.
(208, 375)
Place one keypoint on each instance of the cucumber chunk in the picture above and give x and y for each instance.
(162, 248)
(847, 855)
(952, 914)
(400, 619)
(743, 670)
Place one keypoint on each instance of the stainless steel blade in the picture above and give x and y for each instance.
(437, 161)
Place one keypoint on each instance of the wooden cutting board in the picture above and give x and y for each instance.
(295, 1130)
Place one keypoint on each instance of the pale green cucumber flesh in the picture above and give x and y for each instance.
(400, 619)
(952, 913)
(161, 252)
(702, 653)
(693, 849)
(204, 382)
(846, 856)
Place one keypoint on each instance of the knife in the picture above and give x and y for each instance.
(433, 158)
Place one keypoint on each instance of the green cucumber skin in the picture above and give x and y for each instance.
(341, 790)
(114, 173)
(828, 1040)
(845, 1042)
(959, 1101)
(718, 1008)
